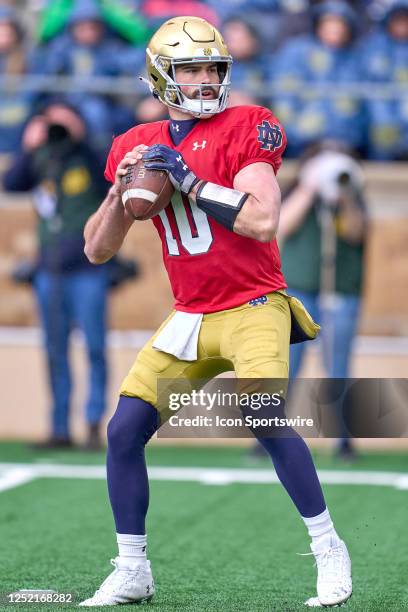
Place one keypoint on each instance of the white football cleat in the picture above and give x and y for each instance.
(128, 583)
(334, 585)
(313, 602)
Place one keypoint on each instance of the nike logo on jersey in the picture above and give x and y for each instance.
(197, 146)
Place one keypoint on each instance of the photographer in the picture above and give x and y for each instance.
(67, 183)
(323, 225)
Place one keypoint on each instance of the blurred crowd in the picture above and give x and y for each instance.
(328, 69)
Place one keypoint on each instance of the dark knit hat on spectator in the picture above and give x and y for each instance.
(87, 10)
(398, 6)
(336, 8)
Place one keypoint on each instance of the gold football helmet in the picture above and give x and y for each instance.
(185, 40)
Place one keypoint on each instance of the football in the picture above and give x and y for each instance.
(145, 192)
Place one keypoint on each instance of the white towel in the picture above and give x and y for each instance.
(180, 336)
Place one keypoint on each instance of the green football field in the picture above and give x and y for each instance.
(219, 537)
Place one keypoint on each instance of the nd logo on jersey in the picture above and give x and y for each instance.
(270, 136)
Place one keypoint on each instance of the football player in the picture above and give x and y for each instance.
(231, 310)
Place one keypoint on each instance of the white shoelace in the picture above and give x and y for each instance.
(323, 558)
(119, 578)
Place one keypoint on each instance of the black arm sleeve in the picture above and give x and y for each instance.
(221, 203)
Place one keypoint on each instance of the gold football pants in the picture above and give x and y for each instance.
(253, 341)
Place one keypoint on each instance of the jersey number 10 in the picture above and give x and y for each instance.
(194, 232)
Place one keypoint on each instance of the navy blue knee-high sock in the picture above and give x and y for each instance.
(129, 430)
(135, 422)
(296, 471)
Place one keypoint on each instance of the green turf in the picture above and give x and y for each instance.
(213, 548)
(203, 456)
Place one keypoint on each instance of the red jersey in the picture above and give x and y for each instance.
(211, 268)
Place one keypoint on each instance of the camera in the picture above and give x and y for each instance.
(57, 134)
(345, 178)
(332, 173)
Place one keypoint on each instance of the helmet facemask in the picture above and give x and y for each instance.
(201, 106)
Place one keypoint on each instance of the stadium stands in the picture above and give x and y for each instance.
(93, 51)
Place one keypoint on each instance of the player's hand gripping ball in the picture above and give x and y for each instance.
(161, 157)
(145, 192)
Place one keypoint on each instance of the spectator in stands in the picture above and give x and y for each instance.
(326, 57)
(232, 8)
(14, 106)
(158, 11)
(122, 17)
(276, 20)
(323, 224)
(67, 183)
(240, 97)
(149, 109)
(87, 51)
(385, 60)
(243, 42)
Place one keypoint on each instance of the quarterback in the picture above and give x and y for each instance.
(231, 309)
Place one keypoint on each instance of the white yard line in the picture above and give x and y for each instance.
(15, 474)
